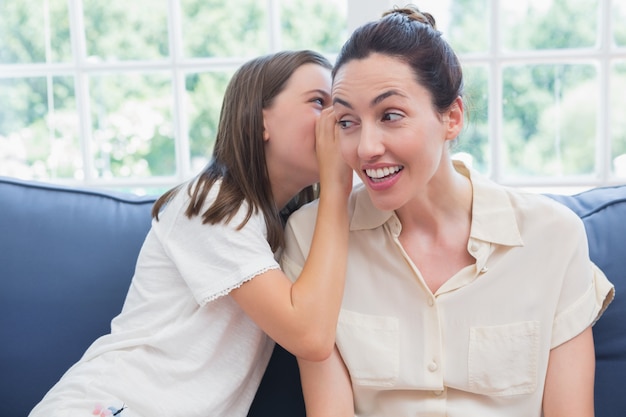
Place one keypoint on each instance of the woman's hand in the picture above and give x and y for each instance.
(326, 387)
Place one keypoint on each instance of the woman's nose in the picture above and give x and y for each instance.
(370, 143)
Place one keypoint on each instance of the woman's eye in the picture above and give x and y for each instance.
(318, 100)
(345, 124)
(390, 117)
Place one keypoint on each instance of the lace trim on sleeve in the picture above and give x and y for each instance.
(226, 291)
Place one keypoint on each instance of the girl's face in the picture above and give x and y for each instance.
(390, 133)
(290, 128)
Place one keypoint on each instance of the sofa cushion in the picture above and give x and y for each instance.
(67, 256)
(603, 211)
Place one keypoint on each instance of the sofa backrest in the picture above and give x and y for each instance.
(67, 256)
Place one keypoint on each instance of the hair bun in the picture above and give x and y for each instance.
(413, 13)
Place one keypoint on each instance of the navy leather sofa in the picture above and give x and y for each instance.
(67, 256)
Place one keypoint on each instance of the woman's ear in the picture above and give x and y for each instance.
(454, 119)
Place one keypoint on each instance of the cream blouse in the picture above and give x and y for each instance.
(479, 345)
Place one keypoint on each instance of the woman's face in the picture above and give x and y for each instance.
(390, 133)
(290, 127)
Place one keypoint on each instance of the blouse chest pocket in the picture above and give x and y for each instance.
(503, 359)
(369, 346)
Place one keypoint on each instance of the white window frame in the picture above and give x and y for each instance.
(358, 12)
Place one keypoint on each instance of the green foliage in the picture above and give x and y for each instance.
(549, 116)
(617, 110)
(22, 40)
(125, 30)
(554, 24)
(618, 14)
(550, 111)
(204, 100)
(474, 139)
(214, 28)
(325, 33)
(468, 31)
(553, 111)
(133, 132)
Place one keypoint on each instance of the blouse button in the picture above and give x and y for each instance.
(432, 367)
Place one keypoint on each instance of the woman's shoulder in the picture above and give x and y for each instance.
(543, 211)
(308, 212)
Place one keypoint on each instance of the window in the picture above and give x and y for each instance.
(542, 83)
(127, 94)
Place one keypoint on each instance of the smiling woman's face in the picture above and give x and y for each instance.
(390, 133)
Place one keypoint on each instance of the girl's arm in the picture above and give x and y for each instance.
(570, 378)
(302, 316)
(326, 387)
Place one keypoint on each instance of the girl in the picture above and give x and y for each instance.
(192, 338)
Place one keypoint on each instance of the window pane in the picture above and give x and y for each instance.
(618, 121)
(39, 128)
(468, 26)
(204, 101)
(549, 24)
(473, 142)
(31, 30)
(215, 28)
(619, 17)
(463, 23)
(118, 30)
(550, 117)
(133, 134)
(320, 25)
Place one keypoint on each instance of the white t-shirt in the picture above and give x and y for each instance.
(180, 347)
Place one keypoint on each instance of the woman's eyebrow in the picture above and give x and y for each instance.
(374, 102)
(337, 100)
(385, 95)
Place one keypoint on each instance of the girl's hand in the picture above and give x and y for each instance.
(333, 169)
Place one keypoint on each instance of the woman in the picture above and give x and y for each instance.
(463, 298)
(192, 338)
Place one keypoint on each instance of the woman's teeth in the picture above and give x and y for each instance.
(379, 173)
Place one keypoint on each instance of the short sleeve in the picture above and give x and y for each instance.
(214, 259)
(586, 293)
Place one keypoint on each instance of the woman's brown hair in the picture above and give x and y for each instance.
(410, 35)
(239, 155)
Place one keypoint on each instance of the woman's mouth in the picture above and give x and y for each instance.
(382, 174)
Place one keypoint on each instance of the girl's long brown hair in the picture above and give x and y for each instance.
(239, 155)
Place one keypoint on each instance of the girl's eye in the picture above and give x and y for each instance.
(391, 117)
